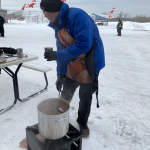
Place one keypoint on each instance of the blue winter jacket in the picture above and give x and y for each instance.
(80, 26)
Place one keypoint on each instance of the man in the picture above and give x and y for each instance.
(2, 21)
(119, 27)
(79, 55)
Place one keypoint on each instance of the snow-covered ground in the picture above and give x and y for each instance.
(123, 120)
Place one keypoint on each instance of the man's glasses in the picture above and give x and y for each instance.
(43, 9)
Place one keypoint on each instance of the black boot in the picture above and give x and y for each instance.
(84, 129)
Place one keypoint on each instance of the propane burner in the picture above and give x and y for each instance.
(71, 141)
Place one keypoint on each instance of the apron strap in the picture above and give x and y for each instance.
(96, 87)
(65, 17)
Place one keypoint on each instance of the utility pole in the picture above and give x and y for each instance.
(0, 5)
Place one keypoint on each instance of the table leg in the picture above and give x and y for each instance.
(16, 87)
(21, 100)
(8, 71)
(33, 95)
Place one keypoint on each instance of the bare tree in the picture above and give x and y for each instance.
(137, 18)
(126, 15)
(121, 14)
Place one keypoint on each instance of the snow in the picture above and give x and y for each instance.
(123, 119)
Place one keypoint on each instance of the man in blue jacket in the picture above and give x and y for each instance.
(79, 55)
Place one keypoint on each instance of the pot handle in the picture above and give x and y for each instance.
(60, 120)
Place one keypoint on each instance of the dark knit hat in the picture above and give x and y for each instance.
(51, 5)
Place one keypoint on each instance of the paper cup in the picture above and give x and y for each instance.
(48, 48)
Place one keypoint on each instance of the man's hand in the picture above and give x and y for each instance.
(50, 55)
(60, 81)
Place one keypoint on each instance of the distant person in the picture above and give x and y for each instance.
(79, 55)
(2, 21)
(119, 27)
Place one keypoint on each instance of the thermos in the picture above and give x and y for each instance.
(19, 52)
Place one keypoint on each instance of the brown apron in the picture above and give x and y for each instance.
(76, 68)
(81, 68)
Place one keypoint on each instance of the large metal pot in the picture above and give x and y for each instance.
(53, 123)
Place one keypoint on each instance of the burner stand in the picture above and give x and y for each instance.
(72, 141)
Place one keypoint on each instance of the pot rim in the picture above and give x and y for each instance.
(54, 115)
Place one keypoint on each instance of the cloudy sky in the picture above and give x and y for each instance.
(133, 7)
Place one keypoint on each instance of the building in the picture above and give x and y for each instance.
(3, 13)
(99, 20)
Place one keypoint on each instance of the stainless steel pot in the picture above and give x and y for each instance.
(53, 123)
